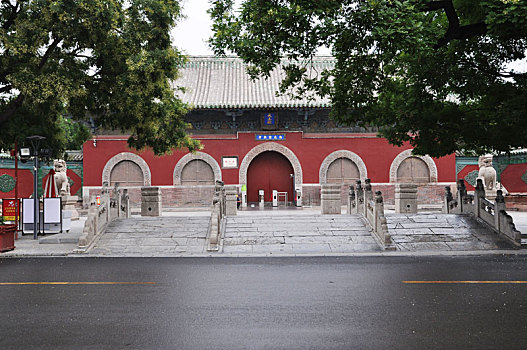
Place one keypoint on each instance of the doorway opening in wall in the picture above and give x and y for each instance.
(269, 171)
(345, 172)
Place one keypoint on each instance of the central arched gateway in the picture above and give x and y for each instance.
(269, 171)
(271, 147)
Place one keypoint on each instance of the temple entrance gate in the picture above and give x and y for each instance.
(269, 171)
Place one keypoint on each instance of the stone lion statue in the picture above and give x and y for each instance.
(486, 172)
(61, 179)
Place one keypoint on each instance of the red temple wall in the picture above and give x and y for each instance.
(311, 150)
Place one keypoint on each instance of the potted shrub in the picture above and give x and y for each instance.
(7, 236)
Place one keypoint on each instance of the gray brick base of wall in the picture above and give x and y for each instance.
(201, 196)
(426, 194)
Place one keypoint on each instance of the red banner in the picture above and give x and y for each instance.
(10, 209)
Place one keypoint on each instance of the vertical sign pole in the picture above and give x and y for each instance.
(36, 209)
(16, 190)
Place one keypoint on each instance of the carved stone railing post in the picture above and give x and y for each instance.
(406, 198)
(448, 200)
(151, 201)
(330, 199)
(219, 188)
(352, 207)
(218, 212)
(368, 195)
(105, 200)
(125, 204)
(499, 207)
(115, 202)
(479, 194)
(461, 195)
(231, 194)
(359, 197)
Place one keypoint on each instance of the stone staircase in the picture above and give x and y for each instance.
(441, 232)
(297, 233)
(154, 236)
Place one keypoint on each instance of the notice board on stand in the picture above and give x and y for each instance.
(52, 214)
(28, 210)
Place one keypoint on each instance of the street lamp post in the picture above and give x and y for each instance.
(35, 144)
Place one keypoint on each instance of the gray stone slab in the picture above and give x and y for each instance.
(294, 234)
(238, 249)
(342, 248)
(318, 239)
(351, 233)
(365, 247)
(311, 248)
(427, 246)
(251, 240)
(346, 228)
(363, 239)
(196, 241)
(273, 249)
(450, 231)
(425, 225)
(230, 233)
(413, 231)
(473, 245)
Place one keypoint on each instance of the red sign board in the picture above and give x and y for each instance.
(10, 209)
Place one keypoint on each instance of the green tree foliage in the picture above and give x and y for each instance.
(434, 73)
(75, 134)
(109, 59)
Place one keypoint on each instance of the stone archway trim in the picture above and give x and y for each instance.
(363, 172)
(147, 176)
(407, 154)
(271, 146)
(187, 158)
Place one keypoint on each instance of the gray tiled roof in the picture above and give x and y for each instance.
(222, 82)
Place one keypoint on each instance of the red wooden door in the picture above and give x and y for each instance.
(269, 171)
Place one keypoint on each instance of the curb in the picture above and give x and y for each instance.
(80, 253)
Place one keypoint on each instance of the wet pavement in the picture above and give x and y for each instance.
(264, 303)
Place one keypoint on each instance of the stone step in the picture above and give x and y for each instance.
(176, 225)
(292, 226)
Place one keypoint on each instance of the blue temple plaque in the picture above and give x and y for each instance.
(269, 121)
(270, 137)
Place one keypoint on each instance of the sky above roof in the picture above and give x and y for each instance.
(191, 33)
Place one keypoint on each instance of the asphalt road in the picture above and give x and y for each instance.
(263, 303)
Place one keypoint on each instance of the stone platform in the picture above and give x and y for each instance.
(278, 232)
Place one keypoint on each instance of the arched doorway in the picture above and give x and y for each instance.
(269, 171)
(197, 172)
(413, 170)
(126, 173)
(343, 171)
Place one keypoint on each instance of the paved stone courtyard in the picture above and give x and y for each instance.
(154, 236)
(276, 233)
(298, 232)
(443, 232)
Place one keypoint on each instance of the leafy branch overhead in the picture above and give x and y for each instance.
(442, 75)
(110, 60)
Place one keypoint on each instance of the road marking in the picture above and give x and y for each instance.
(464, 282)
(67, 283)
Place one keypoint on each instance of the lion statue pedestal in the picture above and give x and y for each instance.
(63, 186)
